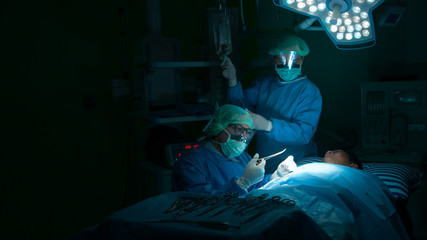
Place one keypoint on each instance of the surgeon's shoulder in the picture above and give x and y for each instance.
(197, 154)
(308, 86)
(264, 80)
(307, 82)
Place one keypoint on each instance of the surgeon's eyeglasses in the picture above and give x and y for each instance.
(288, 66)
(240, 130)
(288, 60)
(241, 133)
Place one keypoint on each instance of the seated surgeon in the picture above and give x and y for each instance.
(220, 164)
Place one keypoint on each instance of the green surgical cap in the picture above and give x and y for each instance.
(225, 115)
(290, 43)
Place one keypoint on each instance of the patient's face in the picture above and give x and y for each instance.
(337, 157)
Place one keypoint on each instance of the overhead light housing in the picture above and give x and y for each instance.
(348, 23)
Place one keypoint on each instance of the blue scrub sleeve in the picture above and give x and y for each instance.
(302, 128)
(266, 179)
(191, 180)
(237, 97)
(188, 178)
(294, 132)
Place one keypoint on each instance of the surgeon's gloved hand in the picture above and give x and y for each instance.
(286, 166)
(229, 71)
(253, 173)
(260, 122)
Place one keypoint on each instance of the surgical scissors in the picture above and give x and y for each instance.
(226, 197)
(195, 204)
(249, 205)
(268, 157)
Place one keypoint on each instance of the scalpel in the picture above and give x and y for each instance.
(268, 157)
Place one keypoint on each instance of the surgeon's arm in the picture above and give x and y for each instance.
(301, 129)
(247, 98)
(190, 178)
(229, 71)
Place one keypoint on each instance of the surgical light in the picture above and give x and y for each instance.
(348, 23)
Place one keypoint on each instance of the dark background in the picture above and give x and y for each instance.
(69, 146)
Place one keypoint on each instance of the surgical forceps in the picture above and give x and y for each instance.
(177, 204)
(231, 204)
(250, 204)
(268, 157)
(194, 205)
(227, 196)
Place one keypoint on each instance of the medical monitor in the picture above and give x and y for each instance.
(174, 151)
(394, 116)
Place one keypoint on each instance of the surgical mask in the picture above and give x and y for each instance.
(232, 148)
(287, 74)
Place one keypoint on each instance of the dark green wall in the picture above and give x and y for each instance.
(68, 145)
(64, 136)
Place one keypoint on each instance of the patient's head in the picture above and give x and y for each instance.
(342, 158)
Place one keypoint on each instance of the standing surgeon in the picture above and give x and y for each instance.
(285, 106)
(220, 164)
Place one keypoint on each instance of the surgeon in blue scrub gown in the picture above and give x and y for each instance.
(220, 164)
(285, 106)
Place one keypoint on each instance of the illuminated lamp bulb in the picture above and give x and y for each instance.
(357, 35)
(356, 19)
(358, 27)
(366, 24)
(347, 21)
(312, 9)
(356, 9)
(365, 33)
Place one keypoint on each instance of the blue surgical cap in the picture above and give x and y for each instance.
(225, 115)
(289, 43)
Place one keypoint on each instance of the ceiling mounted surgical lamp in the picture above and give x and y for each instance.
(348, 23)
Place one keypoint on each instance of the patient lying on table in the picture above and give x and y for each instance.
(340, 197)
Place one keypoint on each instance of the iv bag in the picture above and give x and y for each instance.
(222, 35)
